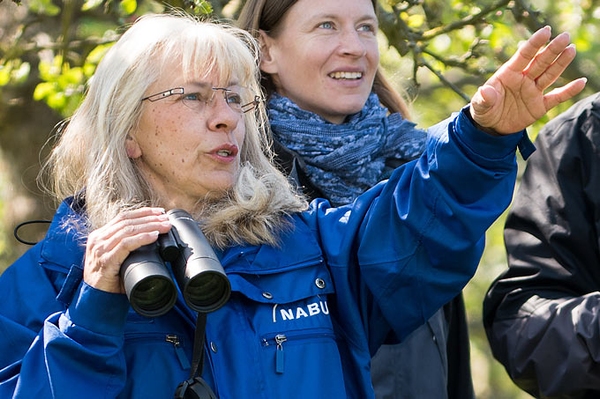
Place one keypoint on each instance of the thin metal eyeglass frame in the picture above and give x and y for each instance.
(180, 90)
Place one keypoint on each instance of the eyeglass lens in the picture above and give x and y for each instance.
(234, 98)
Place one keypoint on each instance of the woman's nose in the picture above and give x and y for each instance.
(220, 115)
(351, 43)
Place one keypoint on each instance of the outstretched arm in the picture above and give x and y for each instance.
(513, 98)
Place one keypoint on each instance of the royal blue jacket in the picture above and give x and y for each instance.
(303, 319)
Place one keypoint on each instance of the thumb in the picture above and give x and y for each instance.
(482, 102)
(483, 109)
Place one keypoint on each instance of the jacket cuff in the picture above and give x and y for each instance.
(485, 144)
(99, 311)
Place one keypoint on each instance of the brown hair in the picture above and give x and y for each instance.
(266, 15)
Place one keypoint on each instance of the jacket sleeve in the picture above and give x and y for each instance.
(74, 352)
(542, 315)
(417, 239)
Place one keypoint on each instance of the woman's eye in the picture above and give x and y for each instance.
(367, 28)
(192, 97)
(233, 98)
(326, 25)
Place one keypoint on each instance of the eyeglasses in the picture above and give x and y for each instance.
(196, 101)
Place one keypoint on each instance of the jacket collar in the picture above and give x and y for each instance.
(64, 244)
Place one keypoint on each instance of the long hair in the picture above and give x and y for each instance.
(266, 15)
(90, 158)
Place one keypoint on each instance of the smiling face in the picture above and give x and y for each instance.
(187, 154)
(324, 56)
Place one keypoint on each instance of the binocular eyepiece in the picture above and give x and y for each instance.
(199, 274)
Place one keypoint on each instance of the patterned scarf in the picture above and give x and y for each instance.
(345, 160)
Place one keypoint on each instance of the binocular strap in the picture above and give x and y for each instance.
(195, 387)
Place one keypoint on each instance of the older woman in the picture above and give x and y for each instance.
(172, 120)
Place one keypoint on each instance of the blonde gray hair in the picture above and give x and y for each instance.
(90, 158)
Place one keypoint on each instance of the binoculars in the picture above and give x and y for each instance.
(148, 281)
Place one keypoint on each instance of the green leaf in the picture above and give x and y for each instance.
(203, 7)
(4, 75)
(56, 101)
(43, 90)
(91, 4)
(20, 74)
(128, 7)
(44, 7)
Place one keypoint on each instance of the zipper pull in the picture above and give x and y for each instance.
(183, 360)
(279, 360)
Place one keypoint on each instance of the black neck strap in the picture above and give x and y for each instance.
(195, 387)
(198, 356)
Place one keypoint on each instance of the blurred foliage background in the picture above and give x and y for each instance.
(436, 51)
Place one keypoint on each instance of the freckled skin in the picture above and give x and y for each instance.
(179, 158)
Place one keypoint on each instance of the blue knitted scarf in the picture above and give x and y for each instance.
(345, 160)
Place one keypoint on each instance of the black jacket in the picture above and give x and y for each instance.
(542, 315)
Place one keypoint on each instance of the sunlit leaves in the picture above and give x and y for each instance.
(94, 58)
(91, 4)
(414, 21)
(46, 7)
(203, 6)
(128, 7)
(14, 72)
(62, 86)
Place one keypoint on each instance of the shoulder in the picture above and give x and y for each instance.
(582, 118)
(573, 135)
(63, 245)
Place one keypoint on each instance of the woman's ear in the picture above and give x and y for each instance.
(267, 61)
(132, 147)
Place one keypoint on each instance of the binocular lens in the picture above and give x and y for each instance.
(148, 283)
(207, 291)
(153, 295)
(197, 270)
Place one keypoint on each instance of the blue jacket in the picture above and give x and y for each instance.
(303, 319)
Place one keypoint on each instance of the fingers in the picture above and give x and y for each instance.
(542, 61)
(513, 98)
(556, 68)
(528, 50)
(562, 94)
(136, 225)
(546, 57)
(108, 246)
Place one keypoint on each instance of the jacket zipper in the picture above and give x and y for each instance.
(279, 359)
(279, 340)
(173, 339)
(183, 360)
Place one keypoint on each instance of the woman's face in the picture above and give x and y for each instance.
(324, 56)
(186, 149)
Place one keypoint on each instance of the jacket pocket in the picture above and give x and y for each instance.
(277, 345)
(170, 343)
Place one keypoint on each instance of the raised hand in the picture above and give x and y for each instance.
(513, 98)
(108, 246)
